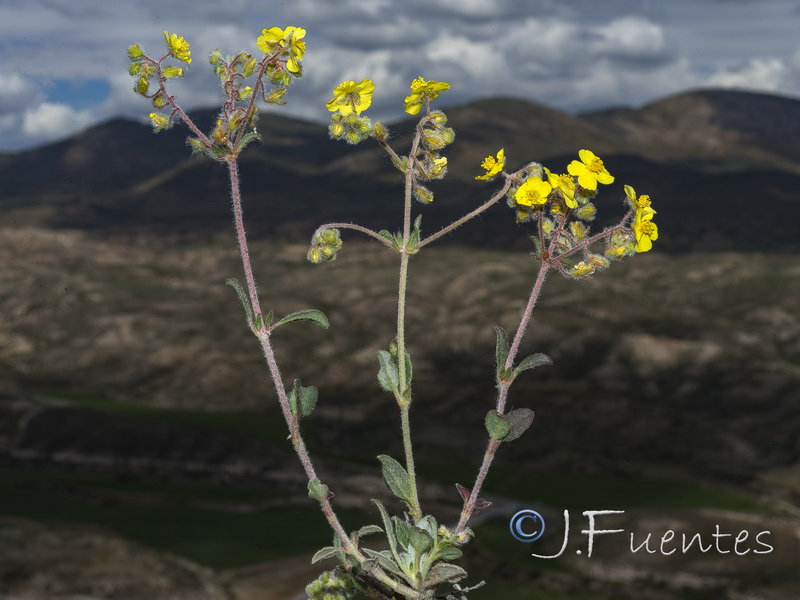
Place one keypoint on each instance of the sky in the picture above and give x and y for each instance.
(63, 64)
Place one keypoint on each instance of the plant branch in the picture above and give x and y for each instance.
(467, 217)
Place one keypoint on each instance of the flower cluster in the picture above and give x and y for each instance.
(235, 126)
(561, 205)
(324, 246)
(146, 70)
(284, 44)
(349, 100)
(332, 585)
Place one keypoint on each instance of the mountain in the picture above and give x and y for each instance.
(706, 158)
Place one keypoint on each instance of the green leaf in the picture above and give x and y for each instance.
(402, 530)
(428, 524)
(302, 399)
(244, 298)
(388, 376)
(384, 560)
(318, 491)
(311, 314)
(450, 554)
(387, 527)
(368, 530)
(420, 540)
(326, 552)
(520, 419)
(497, 425)
(531, 362)
(501, 349)
(247, 138)
(396, 477)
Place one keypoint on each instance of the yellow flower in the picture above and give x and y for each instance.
(644, 229)
(564, 184)
(533, 192)
(423, 91)
(349, 97)
(290, 40)
(642, 203)
(438, 168)
(178, 47)
(493, 165)
(589, 171)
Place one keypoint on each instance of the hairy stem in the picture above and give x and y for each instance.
(405, 396)
(502, 395)
(455, 224)
(291, 420)
(354, 227)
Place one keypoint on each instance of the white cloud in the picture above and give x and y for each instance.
(15, 92)
(50, 120)
(758, 74)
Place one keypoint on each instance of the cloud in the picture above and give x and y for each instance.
(53, 121)
(15, 92)
(577, 55)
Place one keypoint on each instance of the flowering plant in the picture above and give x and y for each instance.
(417, 565)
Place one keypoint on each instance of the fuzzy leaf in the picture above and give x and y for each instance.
(387, 527)
(531, 362)
(318, 491)
(501, 349)
(247, 138)
(402, 530)
(450, 554)
(243, 297)
(388, 376)
(368, 529)
(326, 552)
(396, 477)
(420, 540)
(384, 560)
(311, 314)
(482, 503)
(302, 399)
(444, 572)
(463, 492)
(520, 419)
(497, 425)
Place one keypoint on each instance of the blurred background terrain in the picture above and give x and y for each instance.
(142, 452)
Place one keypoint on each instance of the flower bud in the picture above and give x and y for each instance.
(314, 255)
(134, 68)
(159, 100)
(587, 212)
(599, 261)
(158, 121)
(276, 96)
(142, 85)
(171, 72)
(135, 52)
(578, 230)
(423, 194)
(380, 132)
(582, 269)
(438, 117)
(249, 67)
(215, 56)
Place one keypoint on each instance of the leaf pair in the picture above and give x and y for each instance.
(389, 375)
(257, 323)
(510, 426)
(507, 375)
